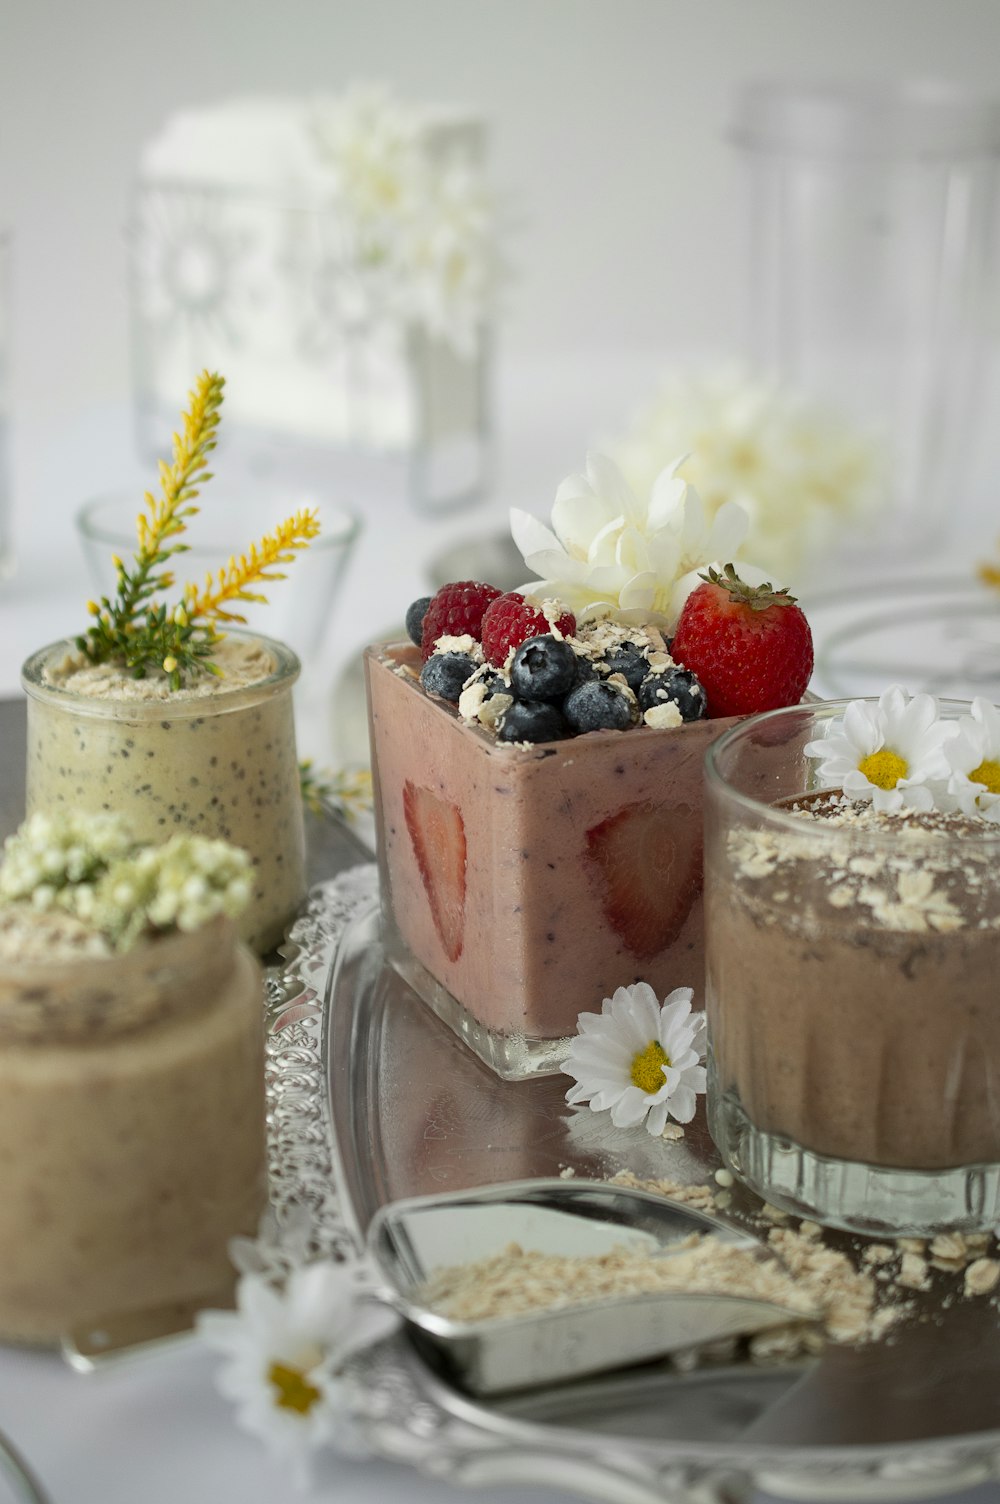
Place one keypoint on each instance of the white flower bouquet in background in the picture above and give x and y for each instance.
(806, 478)
(338, 256)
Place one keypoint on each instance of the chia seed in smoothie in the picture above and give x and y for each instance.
(217, 758)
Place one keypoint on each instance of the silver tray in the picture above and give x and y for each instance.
(373, 1099)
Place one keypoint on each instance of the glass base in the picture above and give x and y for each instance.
(869, 1199)
(513, 1057)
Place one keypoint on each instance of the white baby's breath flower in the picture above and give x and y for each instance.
(57, 852)
(288, 1353)
(973, 757)
(608, 550)
(801, 472)
(638, 1060)
(889, 752)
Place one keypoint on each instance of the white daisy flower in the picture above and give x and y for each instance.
(639, 1060)
(288, 1351)
(606, 549)
(973, 756)
(890, 753)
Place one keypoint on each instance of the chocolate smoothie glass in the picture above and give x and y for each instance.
(217, 758)
(852, 962)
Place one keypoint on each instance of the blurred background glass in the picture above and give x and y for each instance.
(334, 259)
(873, 273)
(6, 475)
(300, 609)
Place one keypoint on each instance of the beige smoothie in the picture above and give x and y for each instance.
(852, 983)
(529, 882)
(217, 758)
(131, 1121)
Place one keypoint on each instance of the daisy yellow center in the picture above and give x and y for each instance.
(988, 772)
(884, 768)
(647, 1067)
(294, 1391)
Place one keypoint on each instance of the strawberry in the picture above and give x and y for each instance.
(457, 609)
(649, 860)
(750, 646)
(512, 619)
(438, 836)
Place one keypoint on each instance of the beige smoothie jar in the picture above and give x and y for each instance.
(131, 1130)
(217, 759)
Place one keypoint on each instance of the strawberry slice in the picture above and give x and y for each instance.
(438, 837)
(649, 860)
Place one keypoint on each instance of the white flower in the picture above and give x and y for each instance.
(801, 472)
(415, 219)
(287, 1353)
(607, 549)
(973, 756)
(638, 1059)
(890, 753)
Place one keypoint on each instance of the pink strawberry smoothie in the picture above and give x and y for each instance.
(531, 881)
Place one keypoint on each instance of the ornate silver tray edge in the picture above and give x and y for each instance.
(405, 1412)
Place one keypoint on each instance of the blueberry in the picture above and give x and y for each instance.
(444, 674)
(531, 721)
(678, 686)
(496, 684)
(415, 618)
(544, 668)
(596, 706)
(628, 660)
(585, 670)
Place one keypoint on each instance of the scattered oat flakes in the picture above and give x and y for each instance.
(879, 1253)
(981, 1276)
(913, 1272)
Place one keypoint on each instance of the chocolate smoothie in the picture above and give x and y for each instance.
(852, 982)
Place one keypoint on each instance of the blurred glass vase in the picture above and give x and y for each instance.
(337, 261)
(871, 257)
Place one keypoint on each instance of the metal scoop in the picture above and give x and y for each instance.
(409, 1240)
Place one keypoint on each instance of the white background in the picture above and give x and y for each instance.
(608, 124)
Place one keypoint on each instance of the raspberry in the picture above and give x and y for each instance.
(455, 611)
(512, 619)
(751, 647)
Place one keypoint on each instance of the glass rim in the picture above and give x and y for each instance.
(717, 783)
(123, 539)
(180, 704)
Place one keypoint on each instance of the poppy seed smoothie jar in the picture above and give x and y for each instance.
(216, 758)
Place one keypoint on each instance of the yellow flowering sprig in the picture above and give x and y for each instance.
(260, 565)
(347, 790)
(142, 634)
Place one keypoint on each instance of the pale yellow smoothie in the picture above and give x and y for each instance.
(216, 757)
(131, 1122)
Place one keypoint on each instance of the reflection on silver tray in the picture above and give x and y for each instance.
(365, 1082)
(937, 634)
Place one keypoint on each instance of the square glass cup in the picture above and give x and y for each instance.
(522, 885)
(854, 1038)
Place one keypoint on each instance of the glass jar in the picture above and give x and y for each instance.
(854, 1039)
(217, 760)
(131, 1130)
(501, 866)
